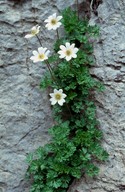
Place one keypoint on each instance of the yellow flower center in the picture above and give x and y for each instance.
(41, 56)
(33, 32)
(53, 21)
(68, 52)
(57, 96)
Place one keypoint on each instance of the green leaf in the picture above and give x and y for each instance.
(53, 58)
(46, 81)
(92, 170)
(76, 173)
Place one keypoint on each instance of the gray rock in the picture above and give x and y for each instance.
(25, 113)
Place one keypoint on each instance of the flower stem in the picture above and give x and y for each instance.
(70, 64)
(68, 109)
(91, 4)
(57, 33)
(47, 63)
(77, 9)
(50, 70)
(39, 40)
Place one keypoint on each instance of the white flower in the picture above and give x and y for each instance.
(57, 97)
(53, 22)
(34, 31)
(41, 55)
(68, 51)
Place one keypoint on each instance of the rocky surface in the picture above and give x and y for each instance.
(25, 114)
(24, 109)
(110, 68)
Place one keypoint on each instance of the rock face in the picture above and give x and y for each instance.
(110, 68)
(25, 114)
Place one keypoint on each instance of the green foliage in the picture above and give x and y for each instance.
(75, 145)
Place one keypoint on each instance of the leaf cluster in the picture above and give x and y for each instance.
(75, 144)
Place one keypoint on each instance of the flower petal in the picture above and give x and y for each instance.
(51, 94)
(58, 24)
(35, 59)
(32, 57)
(74, 55)
(55, 91)
(42, 50)
(62, 54)
(75, 50)
(59, 18)
(38, 27)
(60, 90)
(47, 52)
(46, 21)
(64, 95)
(54, 15)
(33, 28)
(48, 26)
(68, 58)
(62, 47)
(60, 102)
(72, 46)
(35, 53)
(67, 45)
(53, 101)
(28, 36)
